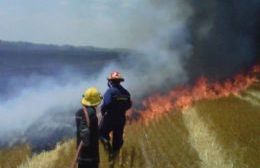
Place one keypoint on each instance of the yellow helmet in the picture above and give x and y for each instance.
(91, 97)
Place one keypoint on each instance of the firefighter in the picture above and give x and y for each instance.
(87, 129)
(116, 102)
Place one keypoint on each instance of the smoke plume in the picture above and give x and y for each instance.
(225, 37)
(174, 42)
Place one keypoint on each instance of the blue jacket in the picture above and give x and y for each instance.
(116, 102)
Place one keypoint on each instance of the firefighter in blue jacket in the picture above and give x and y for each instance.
(116, 101)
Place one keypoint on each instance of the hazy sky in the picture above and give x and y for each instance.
(103, 23)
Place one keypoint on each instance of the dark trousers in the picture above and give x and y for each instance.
(117, 129)
(88, 165)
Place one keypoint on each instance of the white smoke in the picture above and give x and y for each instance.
(159, 34)
(31, 103)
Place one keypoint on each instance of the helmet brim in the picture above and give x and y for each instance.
(119, 79)
(88, 103)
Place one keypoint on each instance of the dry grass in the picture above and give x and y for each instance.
(60, 157)
(223, 133)
(10, 158)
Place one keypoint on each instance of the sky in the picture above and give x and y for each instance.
(101, 23)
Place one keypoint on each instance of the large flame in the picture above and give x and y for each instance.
(183, 97)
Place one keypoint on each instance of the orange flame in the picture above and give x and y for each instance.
(183, 97)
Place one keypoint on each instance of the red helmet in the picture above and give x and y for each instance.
(116, 76)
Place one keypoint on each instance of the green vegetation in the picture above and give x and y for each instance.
(222, 133)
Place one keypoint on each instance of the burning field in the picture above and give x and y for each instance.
(183, 97)
(186, 64)
(209, 125)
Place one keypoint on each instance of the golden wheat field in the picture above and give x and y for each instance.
(222, 133)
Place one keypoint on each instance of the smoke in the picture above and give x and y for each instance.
(156, 62)
(162, 45)
(225, 37)
(48, 93)
(174, 41)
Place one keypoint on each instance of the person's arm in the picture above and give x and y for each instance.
(129, 103)
(107, 99)
(84, 132)
(77, 120)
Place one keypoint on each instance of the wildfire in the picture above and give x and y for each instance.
(183, 97)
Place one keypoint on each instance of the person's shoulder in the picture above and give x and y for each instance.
(111, 90)
(125, 90)
(79, 112)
